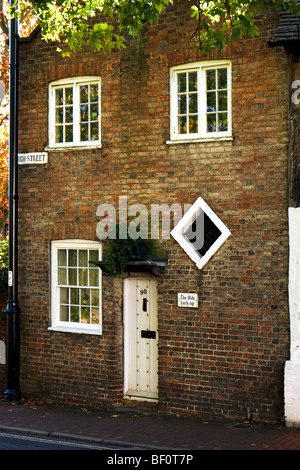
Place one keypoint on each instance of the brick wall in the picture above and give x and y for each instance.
(228, 355)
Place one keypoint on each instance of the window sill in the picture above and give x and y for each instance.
(85, 331)
(73, 147)
(202, 140)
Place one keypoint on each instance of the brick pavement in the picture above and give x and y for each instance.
(289, 440)
(148, 429)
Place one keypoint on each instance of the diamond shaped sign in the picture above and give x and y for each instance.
(200, 233)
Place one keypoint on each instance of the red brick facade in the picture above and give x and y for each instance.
(227, 355)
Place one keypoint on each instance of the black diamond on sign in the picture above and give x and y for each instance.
(210, 234)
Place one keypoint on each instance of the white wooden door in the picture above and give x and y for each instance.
(140, 339)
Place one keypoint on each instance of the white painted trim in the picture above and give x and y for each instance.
(199, 141)
(85, 331)
(292, 367)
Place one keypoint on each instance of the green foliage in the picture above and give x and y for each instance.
(69, 22)
(118, 252)
(218, 22)
(3, 260)
(105, 24)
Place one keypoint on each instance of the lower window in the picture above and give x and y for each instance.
(76, 286)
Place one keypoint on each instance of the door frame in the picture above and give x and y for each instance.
(130, 287)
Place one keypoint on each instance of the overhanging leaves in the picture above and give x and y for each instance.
(104, 24)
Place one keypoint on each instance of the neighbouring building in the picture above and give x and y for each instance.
(287, 37)
(202, 140)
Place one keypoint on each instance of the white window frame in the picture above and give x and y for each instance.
(178, 232)
(75, 83)
(56, 323)
(202, 134)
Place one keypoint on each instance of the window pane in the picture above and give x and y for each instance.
(68, 95)
(95, 297)
(182, 125)
(211, 122)
(72, 258)
(193, 124)
(85, 296)
(85, 315)
(74, 296)
(62, 276)
(222, 101)
(62, 257)
(59, 116)
(83, 258)
(83, 277)
(64, 313)
(69, 114)
(84, 113)
(74, 314)
(84, 132)
(64, 295)
(72, 277)
(94, 112)
(193, 103)
(94, 277)
(94, 93)
(59, 97)
(222, 79)
(181, 84)
(59, 134)
(193, 85)
(211, 79)
(95, 131)
(95, 315)
(93, 255)
(182, 109)
(223, 122)
(84, 96)
(211, 101)
(69, 134)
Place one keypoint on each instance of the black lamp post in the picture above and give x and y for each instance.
(12, 392)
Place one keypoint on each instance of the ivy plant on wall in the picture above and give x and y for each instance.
(118, 252)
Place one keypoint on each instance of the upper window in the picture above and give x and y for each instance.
(201, 101)
(74, 112)
(76, 286)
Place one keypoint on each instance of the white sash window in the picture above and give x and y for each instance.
(74, 112)
(201, 101)
(76, 286)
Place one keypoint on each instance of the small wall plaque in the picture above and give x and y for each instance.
(187, 300)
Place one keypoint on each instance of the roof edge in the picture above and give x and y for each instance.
(32, 35)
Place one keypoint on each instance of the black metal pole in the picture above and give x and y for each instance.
(12, 392)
